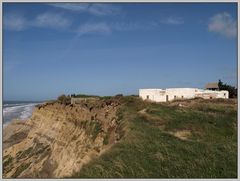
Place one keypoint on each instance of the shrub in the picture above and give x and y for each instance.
(119, 95)
(83, 95)
(63, 99)
(20, 169)
(232, 90)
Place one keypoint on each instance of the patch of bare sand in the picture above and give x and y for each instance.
(181, 134)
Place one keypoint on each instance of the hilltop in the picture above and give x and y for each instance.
(125, 137)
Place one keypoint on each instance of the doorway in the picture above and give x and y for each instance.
(167, 98)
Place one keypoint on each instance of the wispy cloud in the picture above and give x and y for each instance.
(106, 28)
(94, 28)
(53, 20)
(223, 24)
(59, 21)
(171, 20)
(95, 9)
(16, 22)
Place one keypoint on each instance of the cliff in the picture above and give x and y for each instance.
(58, 139)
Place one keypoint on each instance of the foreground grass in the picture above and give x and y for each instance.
(150, 150)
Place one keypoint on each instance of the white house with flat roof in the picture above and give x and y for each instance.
(164, 95)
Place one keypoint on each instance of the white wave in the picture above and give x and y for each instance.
(27, 112)
(15, 108)
(21, 112)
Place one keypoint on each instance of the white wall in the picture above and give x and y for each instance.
(160, 95)
(177, 93)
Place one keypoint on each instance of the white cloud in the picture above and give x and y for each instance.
(72, 6)
(95, 9)
(52, 20)
(172, 20)
(223, 24)
(94, 28)
(109, 27)
(103, 9)
(15, 22)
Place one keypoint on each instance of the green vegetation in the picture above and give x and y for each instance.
(106, 139)
(83, 95)
(92, 127)
(154, 145)
(42, 149)
(20, 169)
(25, 153)
(8, 161)
(63, 99)
(232, 90)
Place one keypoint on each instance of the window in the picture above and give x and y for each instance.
(182, 97)
(175, 97)
(210, 97)
(147, 96)
(224, 94)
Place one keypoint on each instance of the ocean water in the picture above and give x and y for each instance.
(17, 110)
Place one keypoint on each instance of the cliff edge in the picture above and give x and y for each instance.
(58, 139)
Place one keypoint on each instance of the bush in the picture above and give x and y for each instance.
(232, 90)
(63, 99)
(83, 95)
(119, 95)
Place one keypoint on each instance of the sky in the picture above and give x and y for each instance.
(108, 49)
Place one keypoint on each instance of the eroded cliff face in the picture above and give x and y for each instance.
(57, 140)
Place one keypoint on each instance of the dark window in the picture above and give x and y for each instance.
(224, 94)
(147, 96)
(175, 97)
(182, 97)
(166, 97)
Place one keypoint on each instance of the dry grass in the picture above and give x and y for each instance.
(182, 134)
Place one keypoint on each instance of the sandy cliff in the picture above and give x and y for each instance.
(57, 140)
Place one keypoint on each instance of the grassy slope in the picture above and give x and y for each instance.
(147, 150)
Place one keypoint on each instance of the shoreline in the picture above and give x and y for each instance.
(20, 112)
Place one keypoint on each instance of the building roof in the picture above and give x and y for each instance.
(213, 85)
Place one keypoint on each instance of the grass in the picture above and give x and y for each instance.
(42, 149)
(106, 139)
(8, 161)
(24, 154)
(146, 151)
(92, 128)
(20, 169)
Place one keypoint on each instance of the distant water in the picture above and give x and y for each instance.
(17, 110)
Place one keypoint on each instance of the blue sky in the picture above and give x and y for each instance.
(106, 49)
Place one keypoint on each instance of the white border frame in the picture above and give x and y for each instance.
(117, 1)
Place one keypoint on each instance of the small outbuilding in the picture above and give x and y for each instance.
(212, 86)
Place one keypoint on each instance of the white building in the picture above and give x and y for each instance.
(164, 95)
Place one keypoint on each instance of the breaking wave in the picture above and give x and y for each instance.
(19, 111)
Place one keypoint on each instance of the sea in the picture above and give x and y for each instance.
(20, 110)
